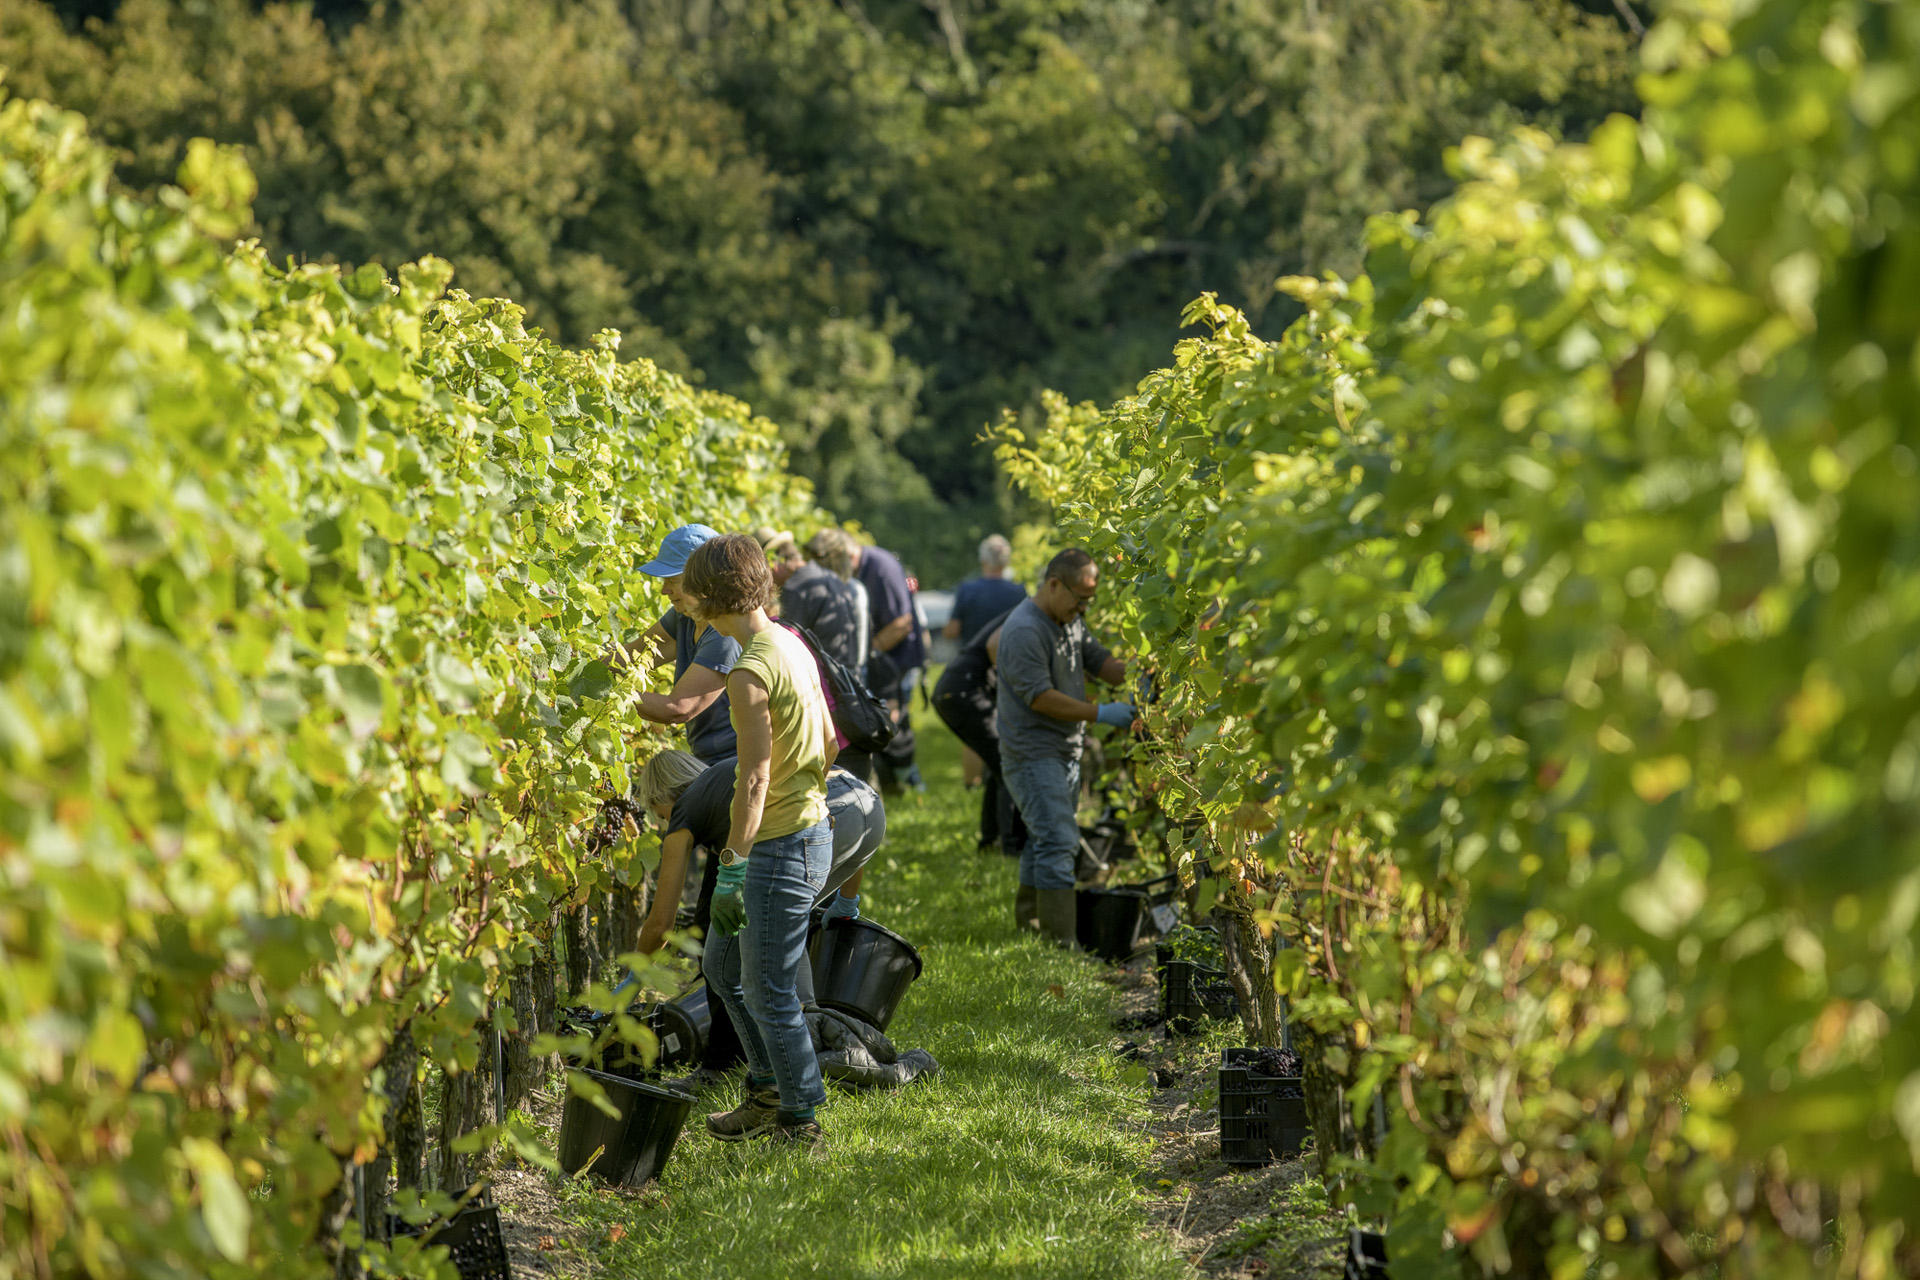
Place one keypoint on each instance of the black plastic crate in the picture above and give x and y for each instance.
(472, 1237)
(1190, 991)
(1366, 1255)
(1263, 1118)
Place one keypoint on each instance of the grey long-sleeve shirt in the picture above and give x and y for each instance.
(1037, 654)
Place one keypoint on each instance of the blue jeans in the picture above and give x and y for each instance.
(1047, 790)
(754, 972)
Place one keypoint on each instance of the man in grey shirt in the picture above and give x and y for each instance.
(1043, 657)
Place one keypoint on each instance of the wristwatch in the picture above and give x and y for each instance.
(728, 857)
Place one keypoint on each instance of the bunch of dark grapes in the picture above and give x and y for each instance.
(1277, 1062)
(610, 827)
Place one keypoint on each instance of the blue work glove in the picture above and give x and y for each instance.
(843, 907)
(1118, 714)
(729, 910)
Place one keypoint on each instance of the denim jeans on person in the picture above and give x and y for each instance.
(1047, 789)
(754, 972)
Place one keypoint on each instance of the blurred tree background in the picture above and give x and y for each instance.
(880, 221)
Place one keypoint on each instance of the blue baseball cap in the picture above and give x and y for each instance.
(679, 545)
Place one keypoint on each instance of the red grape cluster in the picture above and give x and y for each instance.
(1277, 1062)
(610, 828)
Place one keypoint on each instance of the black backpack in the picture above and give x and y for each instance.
(862, 719)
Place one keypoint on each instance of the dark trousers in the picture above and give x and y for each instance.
(723, 1042)
(895, 767)
(968, 710)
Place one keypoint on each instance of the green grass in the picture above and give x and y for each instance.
(1027, 1157)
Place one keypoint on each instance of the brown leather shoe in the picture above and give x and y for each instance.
(807, 1135)
(756, 1116)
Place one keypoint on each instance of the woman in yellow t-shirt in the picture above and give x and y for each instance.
(779, 848)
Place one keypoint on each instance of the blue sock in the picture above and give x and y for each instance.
(803, 1116)
(760, 1082)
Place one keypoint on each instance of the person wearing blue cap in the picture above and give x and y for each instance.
(701, 656)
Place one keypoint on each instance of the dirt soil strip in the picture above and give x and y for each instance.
(1229, 1221)
(540, 1239)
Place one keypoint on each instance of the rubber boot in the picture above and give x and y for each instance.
(1060, 917)
(1026, 909)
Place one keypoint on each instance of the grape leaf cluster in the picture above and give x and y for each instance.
(1535, 621)
(305, 575)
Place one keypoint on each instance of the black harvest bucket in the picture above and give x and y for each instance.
(634, 1145)
(1108, 923)
(1111, 921)
(862, 969)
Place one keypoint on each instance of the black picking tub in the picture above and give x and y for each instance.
(679, 1035)
(700, 1026)
(1111, 921)
(862, 969)
(1366, 1255)
(616, 1057)
(634, 1145)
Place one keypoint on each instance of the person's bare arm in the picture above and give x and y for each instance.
(1059, 706)
(1113, 670)
(889, 637)
(952, 630)
(993, 647)
(693, 693)
(753, 778)
(668, 885)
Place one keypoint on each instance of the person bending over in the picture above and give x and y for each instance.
(1042, 658)
(779, 847)
(965, 698)
(695, 806)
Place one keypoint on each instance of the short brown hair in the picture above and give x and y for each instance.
(729, 574)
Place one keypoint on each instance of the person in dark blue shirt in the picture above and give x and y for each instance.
(701, 657)
(900, 637)
(978, 601)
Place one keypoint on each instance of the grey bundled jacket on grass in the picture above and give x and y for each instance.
(857, 1056)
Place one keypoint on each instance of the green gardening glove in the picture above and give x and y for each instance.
(729, 910)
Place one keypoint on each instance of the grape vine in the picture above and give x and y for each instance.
(1535, 623)
(304, 581)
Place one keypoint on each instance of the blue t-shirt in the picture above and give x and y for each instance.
(709, 734)
(889, 597)
(978, 601)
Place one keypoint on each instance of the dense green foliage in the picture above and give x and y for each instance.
(303, 581)
(881, 221)
(1552, 594)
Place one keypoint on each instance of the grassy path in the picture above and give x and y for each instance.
(1028, 1157)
